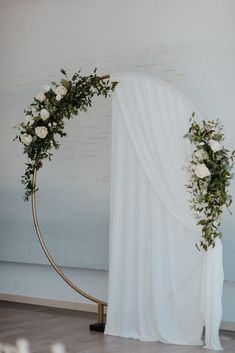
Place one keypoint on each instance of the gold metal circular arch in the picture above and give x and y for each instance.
(101, 303)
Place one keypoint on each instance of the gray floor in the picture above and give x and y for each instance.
(44, 326)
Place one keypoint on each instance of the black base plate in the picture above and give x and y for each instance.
(97, 327)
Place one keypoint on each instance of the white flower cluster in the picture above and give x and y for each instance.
(200, 155)
(199, 169)
(39, 113)
(210, 173)
(60, 92)
(41, 97)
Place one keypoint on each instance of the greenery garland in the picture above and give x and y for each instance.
(210, 174)
(45, 118)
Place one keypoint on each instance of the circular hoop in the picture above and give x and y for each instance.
(100, 303)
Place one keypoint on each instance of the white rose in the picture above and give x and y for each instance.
(44, 114)
(46, 88)
(26, 139)
(58, 97)
(41, 131)
(201, 171)
(34, 109)
(215, 145)
(61, 90)
(29, 120)
(201, 154)
(41, 97)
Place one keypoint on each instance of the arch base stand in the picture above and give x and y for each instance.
(100, 325)
(97, 327)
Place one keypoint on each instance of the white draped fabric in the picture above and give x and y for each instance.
(160, 285)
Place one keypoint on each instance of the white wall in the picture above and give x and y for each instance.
(188, 43)
(41, 281)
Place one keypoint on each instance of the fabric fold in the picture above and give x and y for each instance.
(211, 294)
(157, 277)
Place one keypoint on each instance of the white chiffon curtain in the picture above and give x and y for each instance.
(161, 288)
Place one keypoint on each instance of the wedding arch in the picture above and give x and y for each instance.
(147, 113)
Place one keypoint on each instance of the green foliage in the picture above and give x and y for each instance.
(73, 96)
(209, 191)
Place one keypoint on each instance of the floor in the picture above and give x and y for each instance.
(44, 326)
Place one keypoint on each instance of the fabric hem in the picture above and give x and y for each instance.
(145, 339)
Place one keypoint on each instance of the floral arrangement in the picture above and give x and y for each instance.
(44, 118)
(210, 174)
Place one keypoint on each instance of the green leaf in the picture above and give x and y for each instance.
(63, 72)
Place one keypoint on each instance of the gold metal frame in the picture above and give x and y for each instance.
(101, 304)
